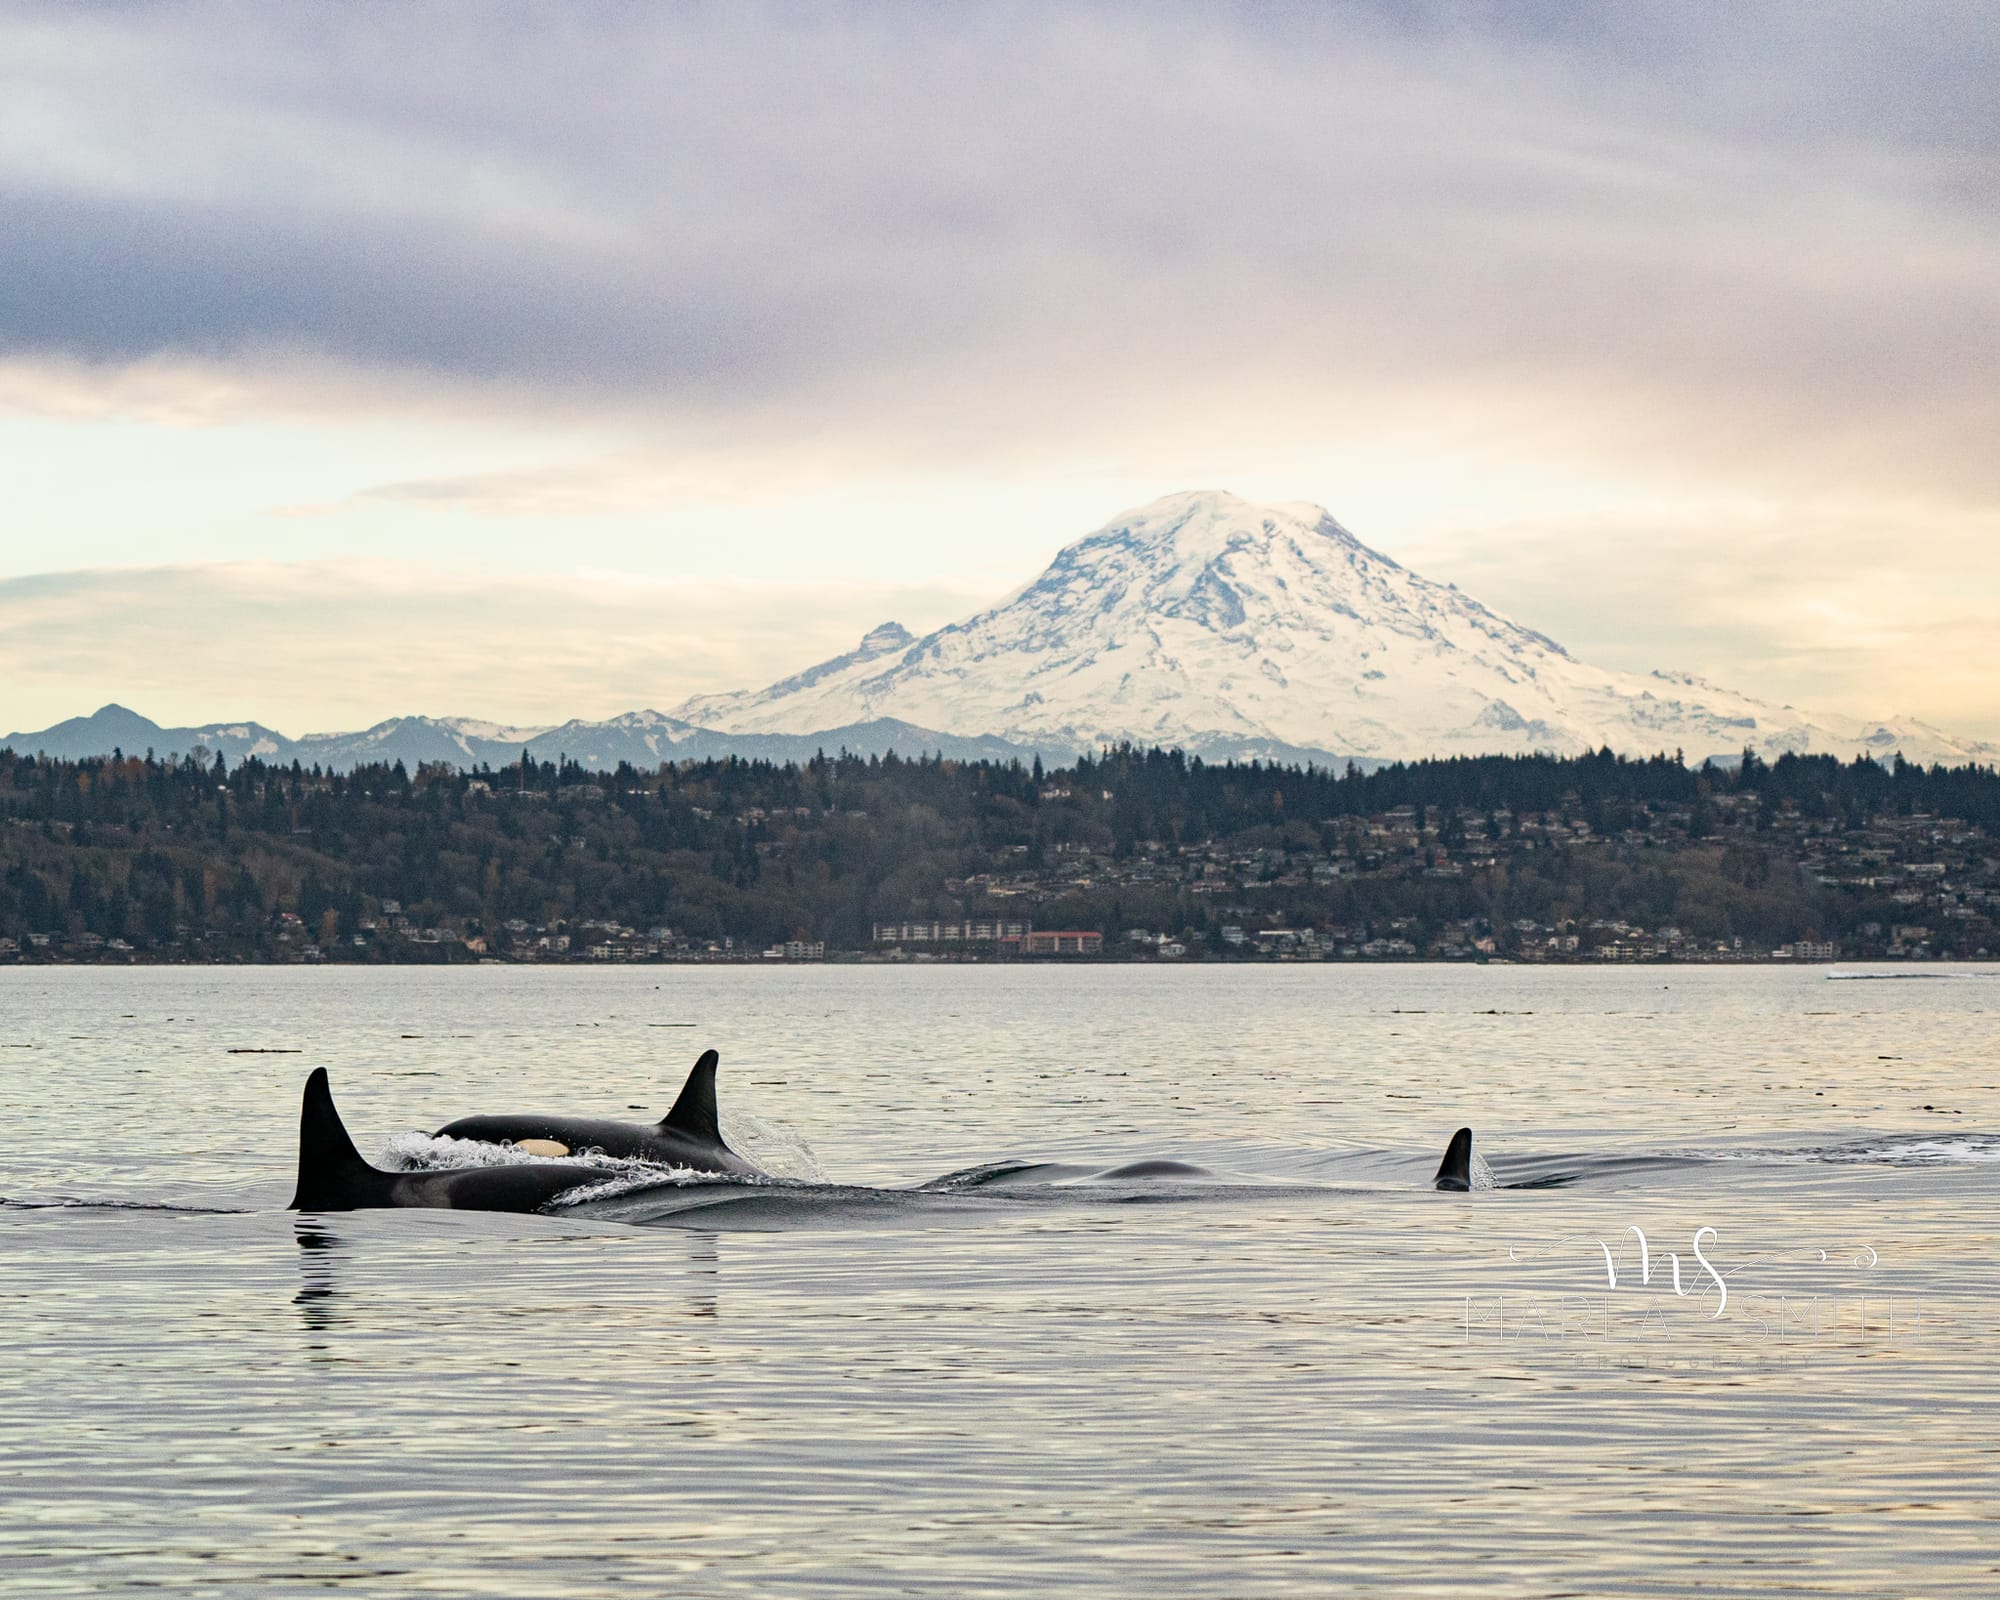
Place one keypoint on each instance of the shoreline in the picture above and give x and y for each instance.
(1917, 965)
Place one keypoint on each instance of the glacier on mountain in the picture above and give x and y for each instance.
(1228, 628)
(1232, 630)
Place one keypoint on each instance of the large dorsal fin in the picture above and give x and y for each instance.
(1455, 1171)
(333, 1175)
(693, 1115)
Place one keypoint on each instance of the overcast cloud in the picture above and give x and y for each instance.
(1650, 257)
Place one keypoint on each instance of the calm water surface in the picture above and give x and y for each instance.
(1303, 1374)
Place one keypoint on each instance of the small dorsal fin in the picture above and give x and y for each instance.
(694, 1115)
(1455, 1171)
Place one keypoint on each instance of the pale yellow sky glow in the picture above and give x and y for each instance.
(660, 353)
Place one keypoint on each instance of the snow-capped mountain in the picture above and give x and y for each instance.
(1227, 628)
(1202, 621)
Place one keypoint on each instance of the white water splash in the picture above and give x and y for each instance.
(1481, 1173)
(635, 1175)
(423, 1152)
(771, 1145)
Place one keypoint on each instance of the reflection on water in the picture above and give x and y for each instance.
(320, 1260)
(1107, 1281)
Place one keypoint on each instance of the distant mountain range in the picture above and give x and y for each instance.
(1202, 621)
(644, 738)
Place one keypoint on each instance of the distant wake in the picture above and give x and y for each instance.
(1896, 1150)
(796, 1190)
(74, 1203)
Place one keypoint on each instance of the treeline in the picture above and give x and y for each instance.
(182, 855)
(1155, 787)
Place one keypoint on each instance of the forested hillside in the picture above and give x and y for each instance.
(139, 859)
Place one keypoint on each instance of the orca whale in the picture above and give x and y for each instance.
(334, 1176)
(1455, 1171)
(687, 1136)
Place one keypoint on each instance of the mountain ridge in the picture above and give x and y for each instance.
(1201, 621)
(643, 738)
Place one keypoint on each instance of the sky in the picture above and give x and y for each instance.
(527, 362)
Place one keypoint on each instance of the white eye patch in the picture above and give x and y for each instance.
(541, 1147)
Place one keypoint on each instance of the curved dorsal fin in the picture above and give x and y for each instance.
(693, 1115)
(1455, 1171)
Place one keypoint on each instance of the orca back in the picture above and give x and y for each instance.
(690, 1135)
